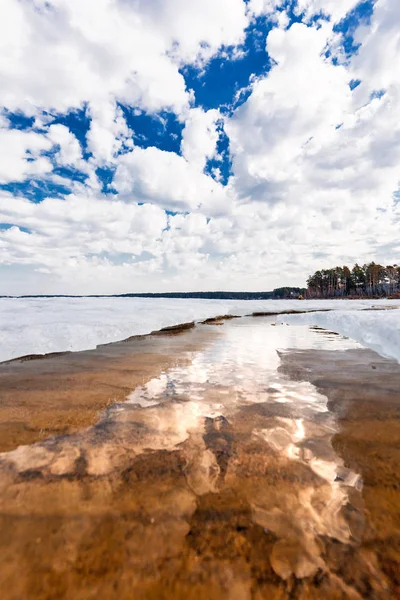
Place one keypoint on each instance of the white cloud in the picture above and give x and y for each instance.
(377, 62)
(200, 137)
(87, 52)
(195, 30)
(301, 100)
(95, 50)
(60, 54)
(263, 7)
(20, 155)
(325, 165)
(336, 9)
(70, 150)
(4, 122)
(76, 227)
(168, 180)
(108, 132)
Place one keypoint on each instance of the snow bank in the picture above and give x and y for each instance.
(41, 325)
(378, 330)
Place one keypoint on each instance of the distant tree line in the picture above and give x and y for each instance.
(204, 295)
(284, 292)
(367, 280)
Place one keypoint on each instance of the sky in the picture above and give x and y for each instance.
(178, 145)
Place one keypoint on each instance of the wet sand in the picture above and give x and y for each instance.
(229, 472)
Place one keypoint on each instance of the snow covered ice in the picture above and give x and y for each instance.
(375, 329)
(42, 325)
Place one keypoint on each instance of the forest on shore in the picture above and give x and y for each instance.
(371, 280)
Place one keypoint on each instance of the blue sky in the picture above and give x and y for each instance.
(176, 146)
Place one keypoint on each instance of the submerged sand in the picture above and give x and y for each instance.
(229, 472)
(47, 395)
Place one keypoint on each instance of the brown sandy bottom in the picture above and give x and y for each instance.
(60, 394)
(232, 471)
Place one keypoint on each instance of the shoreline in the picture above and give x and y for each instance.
(172, 330)
(169, 330)
(184, 326)
(45, 326)
(181, 327)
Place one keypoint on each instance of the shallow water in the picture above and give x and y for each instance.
(218, 478)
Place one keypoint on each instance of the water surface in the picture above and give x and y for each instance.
(219, 477)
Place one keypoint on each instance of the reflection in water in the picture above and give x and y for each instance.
(233, 427)
(240, 369)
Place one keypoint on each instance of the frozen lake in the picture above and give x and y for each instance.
(42, 325)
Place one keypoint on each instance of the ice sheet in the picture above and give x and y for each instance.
(41, 325)
(379, 330)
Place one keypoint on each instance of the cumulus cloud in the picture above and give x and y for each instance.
(21, 155)
(334, 9)
(62, 53)
(67, 230)
(315, 164)
(69, 152)
(108, 132)
(322, 157)
(200, 137)
(195, 31)
(377, 64)
(299, 103)
(86, 51)
(168, 180)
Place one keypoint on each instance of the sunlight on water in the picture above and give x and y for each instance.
(241, 368)
(230, 402)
